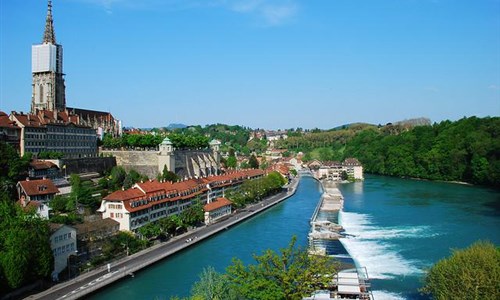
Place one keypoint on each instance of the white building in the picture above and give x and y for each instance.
(217, 209)
(63, 245)
(152, 200)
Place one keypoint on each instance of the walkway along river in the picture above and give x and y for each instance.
(94, 280)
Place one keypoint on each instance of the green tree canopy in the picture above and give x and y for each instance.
(25, 253)
(12, 169)
(214, 286)
(253, 162)
(290, 274)
(472, 273)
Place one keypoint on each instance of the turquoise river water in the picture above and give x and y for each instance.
(395, 227)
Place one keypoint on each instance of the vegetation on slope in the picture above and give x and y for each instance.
(472, 273)
(467, 150)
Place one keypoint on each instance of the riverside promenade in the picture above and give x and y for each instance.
(98, 278)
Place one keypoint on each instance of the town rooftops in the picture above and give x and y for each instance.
(6, 122)
(45, 117)
(38, 187)
(218, 203)
(351, 162)
(150, 189)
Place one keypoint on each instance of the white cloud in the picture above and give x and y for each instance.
(494, 87)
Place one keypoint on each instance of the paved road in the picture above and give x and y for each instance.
(93, 280)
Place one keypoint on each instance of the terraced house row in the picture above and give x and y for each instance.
(152, 200)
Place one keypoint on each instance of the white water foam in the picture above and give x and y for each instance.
(370, 246)
(384, 295)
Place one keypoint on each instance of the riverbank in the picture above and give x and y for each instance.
(99, 278)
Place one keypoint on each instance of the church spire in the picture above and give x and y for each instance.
(49, 36)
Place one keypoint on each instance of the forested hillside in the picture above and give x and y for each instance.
(466, 150)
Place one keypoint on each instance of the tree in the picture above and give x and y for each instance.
(213, 286)
(59, 204)
(168, 175)
(81, 192)
(290, 274)
(171, 224)
(12, 169)
(193, 215)
(117, 177)
(150, 231)
(231, 162)
(253, 162)
(25, 253)
(472, 273)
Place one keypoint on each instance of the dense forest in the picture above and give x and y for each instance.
(466, 150)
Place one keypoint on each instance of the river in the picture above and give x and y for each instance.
(396, 229)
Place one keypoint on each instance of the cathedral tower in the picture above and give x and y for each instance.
(47, 69)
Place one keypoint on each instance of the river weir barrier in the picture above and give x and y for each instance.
(94, 280)
(351, 282)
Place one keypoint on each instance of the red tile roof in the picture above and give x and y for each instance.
(220, 202)
(42, 165)
(39, 187)
(6, 122)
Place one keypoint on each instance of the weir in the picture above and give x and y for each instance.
(351, 281)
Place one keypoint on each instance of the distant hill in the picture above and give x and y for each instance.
(357, 125)
(176, 126)
(414, 122)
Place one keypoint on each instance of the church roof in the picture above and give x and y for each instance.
(81, 111)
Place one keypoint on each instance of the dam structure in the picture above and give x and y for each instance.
(352, 280)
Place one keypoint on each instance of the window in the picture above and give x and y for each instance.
(111, 215)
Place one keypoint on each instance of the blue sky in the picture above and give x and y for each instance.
(262, 63)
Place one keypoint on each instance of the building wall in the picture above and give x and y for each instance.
(117, 212)
(33, 140)
(63, 244)
(214, 215)
(73, 141)
(185, 163)
(86, 165)
(358, 172)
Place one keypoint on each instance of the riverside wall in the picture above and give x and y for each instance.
(144, 162)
